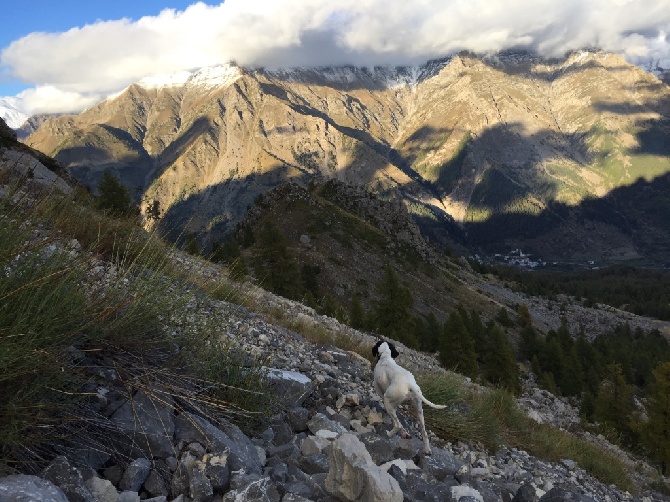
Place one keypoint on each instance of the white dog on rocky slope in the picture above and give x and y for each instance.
(395, 385)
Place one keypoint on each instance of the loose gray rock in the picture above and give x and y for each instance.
(68, 479)
(563, 495)
(260, 490)
(440, 464)
(297, 418)
(135, 475)
(24, 488)
(102, 489)
(526, 493)
(129, 496)
(149, 426)
(242, 453)
(291, 387)
(155, 484)
(321, 422)
(200, 489)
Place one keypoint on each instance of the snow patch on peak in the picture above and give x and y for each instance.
(10, 112)
(380, 77)
(215, 76)
(211, 76)
(165, 80)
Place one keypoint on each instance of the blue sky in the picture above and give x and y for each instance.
(63, 56)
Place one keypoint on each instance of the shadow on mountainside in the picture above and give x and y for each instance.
(213, 213)
(516, 192)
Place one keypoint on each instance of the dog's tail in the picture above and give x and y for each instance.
(433, 405)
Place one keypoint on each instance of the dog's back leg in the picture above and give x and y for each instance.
(391, 407)
(422, 423)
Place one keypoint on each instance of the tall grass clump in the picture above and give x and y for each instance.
(78, 290)
(492, 418)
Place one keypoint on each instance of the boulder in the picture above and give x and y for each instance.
(135, 475)
(440, 464)
(291, 387)
(68, 479)
(564, 495)
(25, 488)
(148, 424)
(354, 476)
(260, 490)
(102, 489)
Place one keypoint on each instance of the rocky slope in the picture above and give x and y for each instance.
(329, 443)
(514, 149)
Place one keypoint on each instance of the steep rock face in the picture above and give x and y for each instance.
(465, 139)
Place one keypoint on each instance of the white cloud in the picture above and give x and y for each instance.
(85, 63)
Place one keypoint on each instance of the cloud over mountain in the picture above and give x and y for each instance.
(79, 66)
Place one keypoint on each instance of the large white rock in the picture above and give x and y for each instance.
(354, 476)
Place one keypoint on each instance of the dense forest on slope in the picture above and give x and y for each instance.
(640, 291)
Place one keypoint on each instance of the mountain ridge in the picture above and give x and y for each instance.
(540, 131)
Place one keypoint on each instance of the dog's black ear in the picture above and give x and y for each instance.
(394, 352)
(375, 349)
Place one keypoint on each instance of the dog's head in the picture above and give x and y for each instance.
(382, 346)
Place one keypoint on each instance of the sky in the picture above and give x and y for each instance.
(65, 56)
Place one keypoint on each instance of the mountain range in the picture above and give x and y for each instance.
(566, 158)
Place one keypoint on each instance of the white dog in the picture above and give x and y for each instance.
(395, 385)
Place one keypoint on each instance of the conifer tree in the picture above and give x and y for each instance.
(523, 315)
(114, 197)
(192, 246)
(357, 315)
(499, 363)
(392, 315)
(530, 345)
(274, 265)
(657, 430)
(433, 333)
(614, 402)
(457, 348)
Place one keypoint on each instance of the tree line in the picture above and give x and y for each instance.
(620, 286)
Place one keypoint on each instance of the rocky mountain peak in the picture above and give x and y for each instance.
(512, 147)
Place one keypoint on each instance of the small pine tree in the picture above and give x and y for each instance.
(503, 318)
(656, 431)
(530, 345)
(357, 315)
(432, 333)
(523, 316)
(192, 246)
(274, 265)
(499, 363)
(227, 252)
(457, 348)
(113, 196)
(614, 404)
(392, 316)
